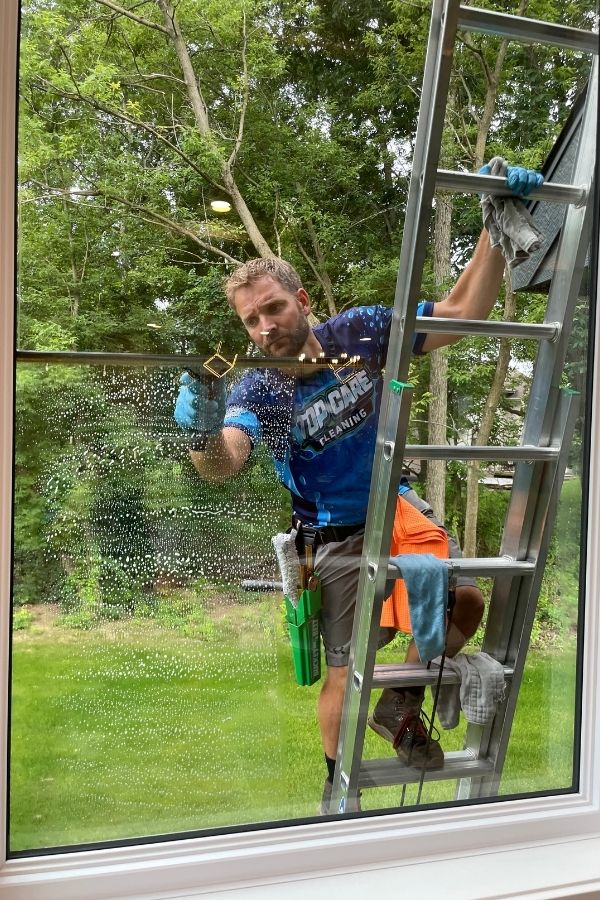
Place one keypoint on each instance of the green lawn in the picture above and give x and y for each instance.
(134, 729)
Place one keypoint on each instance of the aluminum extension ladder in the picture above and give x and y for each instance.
(540, 459)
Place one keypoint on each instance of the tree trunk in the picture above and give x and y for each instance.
(485, 428)
(438, 378)
(252, 230)
(202, 120)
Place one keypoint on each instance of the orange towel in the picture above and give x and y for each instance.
(413, 533)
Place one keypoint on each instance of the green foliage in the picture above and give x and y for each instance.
(492, 513)
(109, 508)
(116, 175)
(22, 619)
(182, 614)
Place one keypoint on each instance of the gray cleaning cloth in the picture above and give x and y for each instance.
(479, 693)
(289, 564)
(509, 222)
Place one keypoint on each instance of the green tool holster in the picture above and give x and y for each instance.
(303, 620)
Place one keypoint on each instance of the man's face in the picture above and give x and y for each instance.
(274, 317)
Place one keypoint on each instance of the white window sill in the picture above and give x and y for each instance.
(565, 869)
(569, 868)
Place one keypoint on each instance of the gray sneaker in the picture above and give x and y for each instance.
(399, 719)
(325, 805)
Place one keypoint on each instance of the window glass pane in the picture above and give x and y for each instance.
(148, 684)
(153, 682)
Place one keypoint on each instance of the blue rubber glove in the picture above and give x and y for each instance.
(521, 181)
(200, 406)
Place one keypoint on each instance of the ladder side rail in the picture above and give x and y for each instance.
(562, 298)
(544, 394)
(542, 528)
(528, 505)
(568, 275)
(370, 595)
(520, 516)
(492, 742)
(519, 527)
(536, 487)
(394, 415)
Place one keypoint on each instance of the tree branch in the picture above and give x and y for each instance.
(470, 103)
(121, 11)
(275, 228)
(194, 93)
(149, 215)
(490, 98)
(245, 96)
(479, 53)
(321, 277)
(310, 262)
(137, 123)
(150, 76)
(465, 145)
(201, 118)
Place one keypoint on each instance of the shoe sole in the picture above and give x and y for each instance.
(381, 730)
(431, 765)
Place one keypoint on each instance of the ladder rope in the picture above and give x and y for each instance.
(438, 685)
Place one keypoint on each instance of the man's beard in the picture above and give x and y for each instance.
(290, 344)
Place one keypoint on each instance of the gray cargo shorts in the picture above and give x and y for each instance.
(338, 566)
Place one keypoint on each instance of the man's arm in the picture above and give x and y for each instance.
(216, 451)
(224, 454)
(474, 294)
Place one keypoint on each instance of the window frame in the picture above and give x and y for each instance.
(421, 848)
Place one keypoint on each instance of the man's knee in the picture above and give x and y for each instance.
(469, 608)
(467, 614)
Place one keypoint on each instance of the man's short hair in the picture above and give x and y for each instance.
(255, 269)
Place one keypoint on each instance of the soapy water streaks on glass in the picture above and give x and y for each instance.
(160, 673)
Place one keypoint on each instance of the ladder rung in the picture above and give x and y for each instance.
(469, 451)
(482, 327)
(492, 565)
(529, 31)
(473, 183)
(457, 764)
(415, 675)
(483, 567)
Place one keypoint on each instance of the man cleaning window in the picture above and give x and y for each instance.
(321, 436)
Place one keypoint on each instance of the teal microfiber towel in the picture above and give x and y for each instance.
(426, 580)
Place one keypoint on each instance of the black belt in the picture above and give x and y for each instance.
(328, 533)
